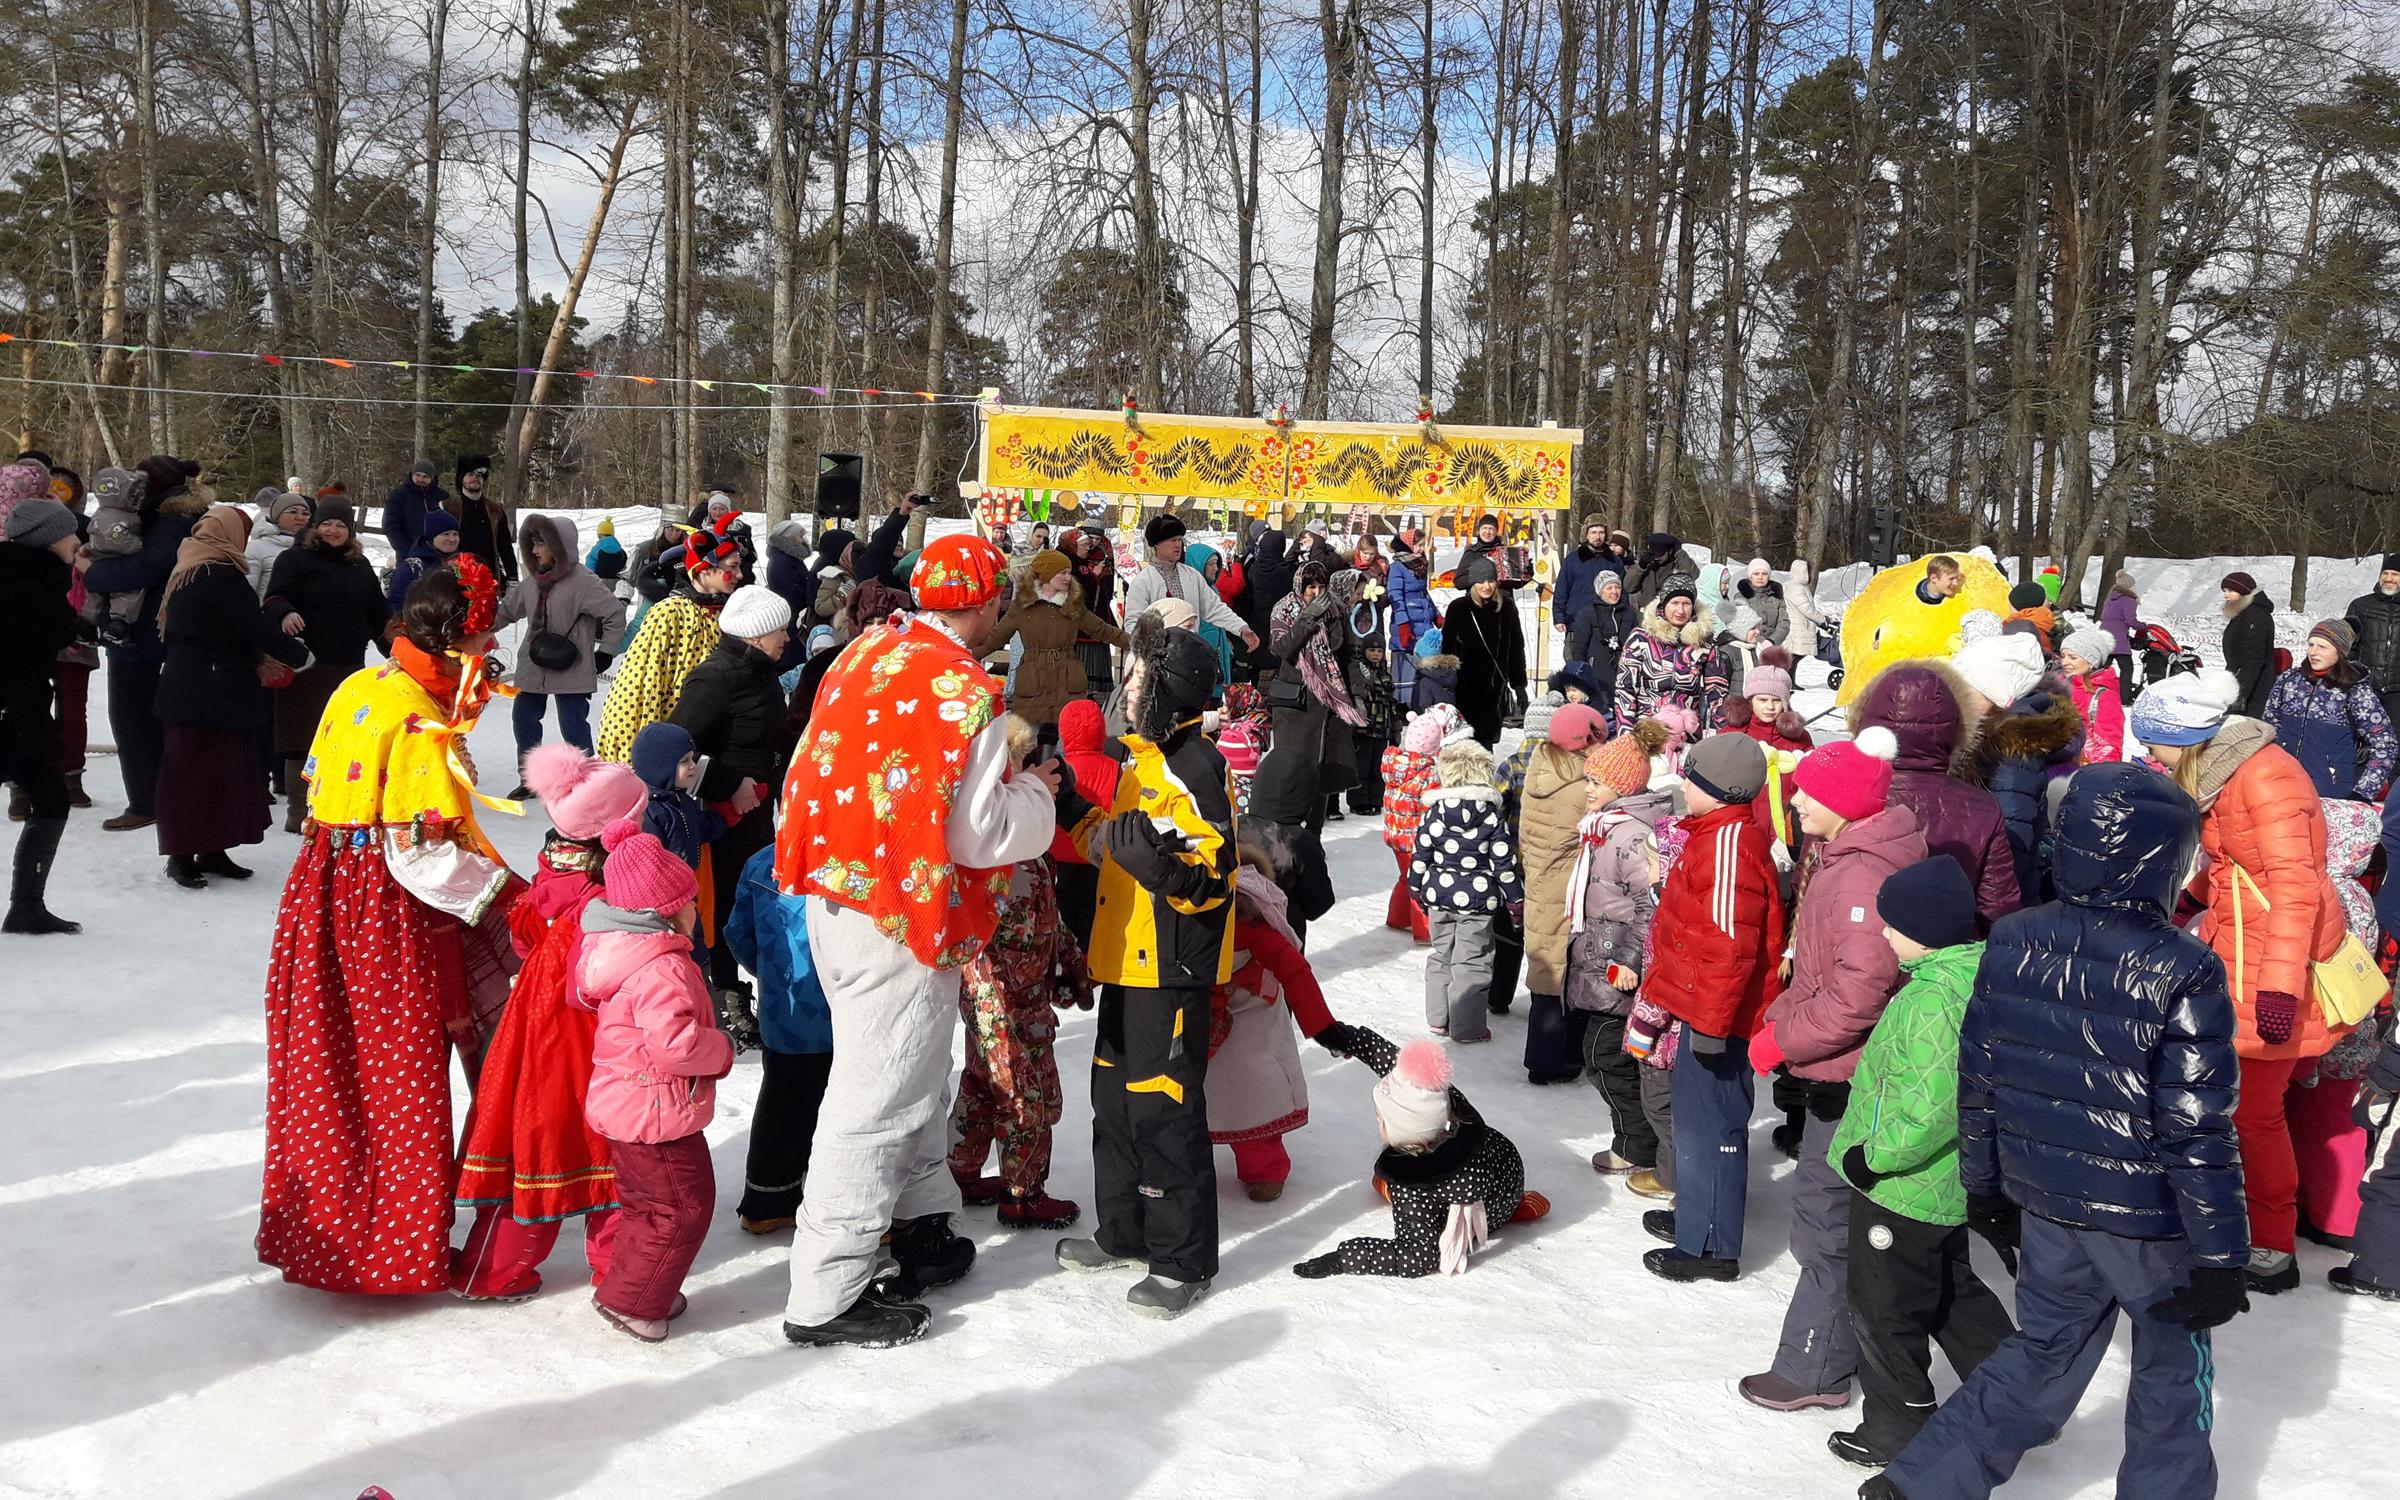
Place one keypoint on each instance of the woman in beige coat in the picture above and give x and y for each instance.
(1549, 835)
(1049, 617)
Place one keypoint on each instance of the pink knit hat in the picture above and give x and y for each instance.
(1851, 777)
(582, 793)
(1577, 726)
(642, 874)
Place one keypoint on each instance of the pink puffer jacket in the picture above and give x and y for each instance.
(658, 1053)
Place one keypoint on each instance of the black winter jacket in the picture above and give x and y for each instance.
(734, 706)
(2250, 652)
(1490, 647)
(2375, 615)
(36, 623)
(2096, 1071)
(216, 633)
(1599, 639)
(338, 600)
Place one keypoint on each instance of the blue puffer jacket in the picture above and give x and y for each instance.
(1411, 608)
(2341, 735)
(768, 933)
(2096, 1071)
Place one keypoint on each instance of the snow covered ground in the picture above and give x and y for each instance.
(147, 1349)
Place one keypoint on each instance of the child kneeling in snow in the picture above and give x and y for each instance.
(656, 1057)
(1450, 1176)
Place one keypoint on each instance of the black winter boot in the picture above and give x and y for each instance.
(874, 1321)
(930, 1255)
(37, 847)
(185, 873)
(221, 863)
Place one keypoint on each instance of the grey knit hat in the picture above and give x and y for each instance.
(1729, 767)
(39, 522)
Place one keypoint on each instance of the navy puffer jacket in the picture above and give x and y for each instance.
(2096, 1071)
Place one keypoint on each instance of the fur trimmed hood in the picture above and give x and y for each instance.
(1698, 633)
(2042, 727)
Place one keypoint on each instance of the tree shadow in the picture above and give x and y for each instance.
(1543, 1458)
(148, 1103)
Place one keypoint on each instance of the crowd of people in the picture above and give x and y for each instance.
(2086, 962)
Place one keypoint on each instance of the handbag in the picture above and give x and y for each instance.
(1287, 692)
(2348, 984)
(546, 648)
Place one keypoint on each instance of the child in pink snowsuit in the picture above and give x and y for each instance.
(656, 1057)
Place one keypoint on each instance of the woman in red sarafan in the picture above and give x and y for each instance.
(393, 918)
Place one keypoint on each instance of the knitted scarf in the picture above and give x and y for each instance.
(1320, 668)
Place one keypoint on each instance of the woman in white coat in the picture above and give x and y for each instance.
(1800, 602)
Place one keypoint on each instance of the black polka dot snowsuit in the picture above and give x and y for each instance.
(1476, 1165)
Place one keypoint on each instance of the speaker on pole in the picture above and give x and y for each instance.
(839, 479)
(1883, 537)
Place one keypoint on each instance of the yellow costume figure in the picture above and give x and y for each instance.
(1890, 621)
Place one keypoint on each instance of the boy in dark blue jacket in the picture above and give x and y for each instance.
(2096, 1082)
(768, 933)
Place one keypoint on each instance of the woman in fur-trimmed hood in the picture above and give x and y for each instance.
(1671, 662)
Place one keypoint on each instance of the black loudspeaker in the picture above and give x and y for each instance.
(839, 479)
(1883, 537)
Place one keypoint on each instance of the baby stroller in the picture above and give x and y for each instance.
(2159, 656)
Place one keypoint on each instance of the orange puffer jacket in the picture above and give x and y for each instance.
(2265, 818)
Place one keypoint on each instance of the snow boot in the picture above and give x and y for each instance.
(875, 1321)
(1609, 1164)
(2317, 1234)
(1164, 1297)
(76, 795)
(1659, 1224)
(1087, 1255)
(737, 1020)
(648, 1330)
(2273, 1271)
(1853, 1448)
(1880, 1487)
(520, 793)
(1530, 1208)
(1672, 1264)
(1775, 1393)
(183, 872)
(221, 863)
(767, 1226)
(20, 806)
(1645, 1182)
(982, 1192)
(1263, 1192)
(37, 849)
(128, 821)
(929, 1254)
(2345, 1279)
(1041, 1211)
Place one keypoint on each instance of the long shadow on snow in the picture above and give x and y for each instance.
(1542, 1459)
(130, 1107)
(1107, 1424)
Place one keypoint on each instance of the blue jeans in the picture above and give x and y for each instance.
(2071, 1285)
(1713, 1095)
(574, 719)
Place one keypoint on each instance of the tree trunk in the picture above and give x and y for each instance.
(1969, 466)
(1670, 472)
(105, 428)
(147, 21)
(266, 183)
(437, 31)
(1149, 250)
(870, 316)
(515, 463)
(563, 323)
(1551, 366)
(1833, 406)
(1734, 389)
(1428, 142)
(829, 368)
(937, 333)
(1339, 29)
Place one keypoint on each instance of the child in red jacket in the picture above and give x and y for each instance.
(1716, 941)
(1411, 769)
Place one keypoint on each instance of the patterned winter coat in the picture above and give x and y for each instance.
(1408, 779)
(2341, 735)
(1611, 921)
(1904, 1098)
(1465, 859)
(1663, 665)
(675, 637)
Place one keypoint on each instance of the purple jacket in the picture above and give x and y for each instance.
(1918, 701)
(1843, 972)
(2121, 618)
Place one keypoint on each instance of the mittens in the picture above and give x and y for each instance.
(2210, 1298)
(1320, 1267)
(1998, 1220)
(2278, 1015)
(1765, 1055)
(1856, 1170)
(1641, 1038)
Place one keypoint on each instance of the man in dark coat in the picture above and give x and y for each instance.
(172, 504)
(483, 527)
(2096, 1085)
(2249, 642)
(1663, 557)
(37, 623)
(2376, 617)
(405, 506)
(1573, 593)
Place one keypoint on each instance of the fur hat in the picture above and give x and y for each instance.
(1851, 777)
(2091, 643)
(582, 793)
(1163, 528)
(1179, 676)
(641, 874)
(1729, 767)
(2186, 709)
(752, 611)
(1413, 1101)
(958, 571)
(2003, 669)
(1465, 763)
(1622, 765)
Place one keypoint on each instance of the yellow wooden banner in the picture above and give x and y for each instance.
(1322, 467)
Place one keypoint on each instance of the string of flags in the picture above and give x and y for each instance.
(271, 359)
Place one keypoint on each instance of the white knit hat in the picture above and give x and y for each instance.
(1413, 1100)
(2003, 668)
(2187, 708)
(2091, 643)
(754, 610)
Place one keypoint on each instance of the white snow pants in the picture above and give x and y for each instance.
(883, 1133)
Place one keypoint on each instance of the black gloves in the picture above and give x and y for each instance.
(1855, 1168)
(1996, 1219)
(2210, 1298)
(2371, 1108)
(1320, 1267)
(1340, 1039)
(601, 659)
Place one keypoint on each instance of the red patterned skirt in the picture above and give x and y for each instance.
(528, 1151)
(363, 988)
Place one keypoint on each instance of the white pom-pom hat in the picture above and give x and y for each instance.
(1851, 778)
(1413, 1101)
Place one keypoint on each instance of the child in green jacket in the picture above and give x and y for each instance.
(1910, 1283)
